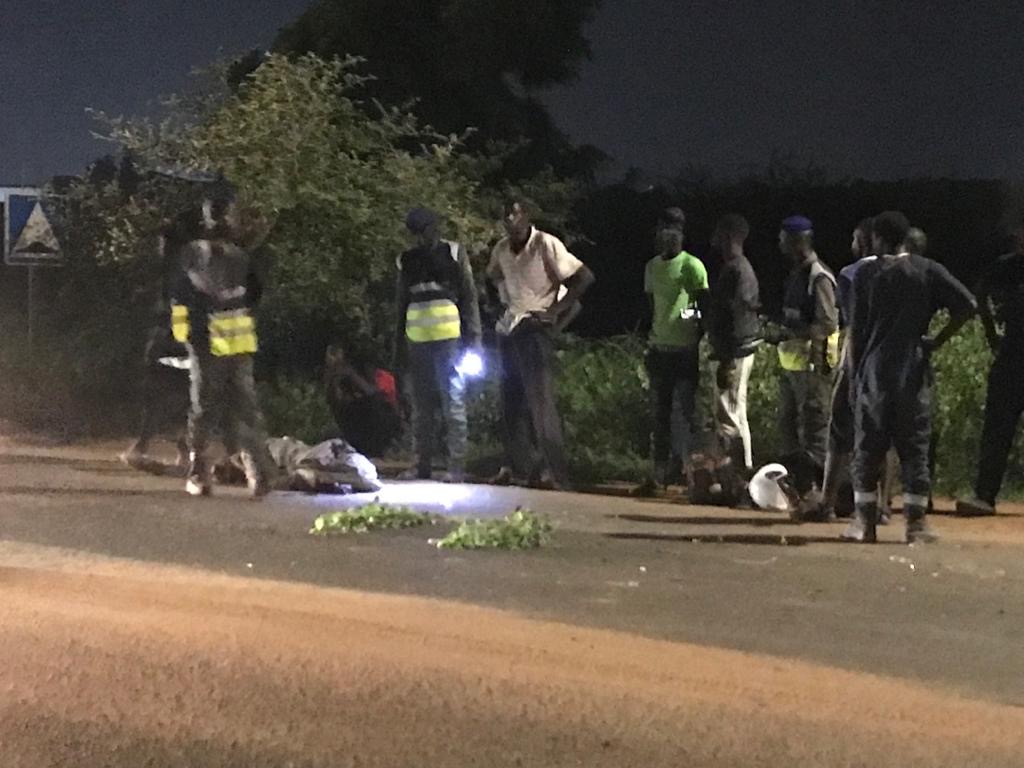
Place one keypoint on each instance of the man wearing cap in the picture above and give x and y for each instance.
(540, 283)
(809, 349)
(894, 299)
(438, 319)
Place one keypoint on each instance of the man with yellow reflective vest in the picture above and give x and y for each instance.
(438, 321)
(808, 349)
(212, 303)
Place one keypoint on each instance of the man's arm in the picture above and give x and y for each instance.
(401, 304)
(469, 306)
(575, 286)
(953, 296)
(988, 321)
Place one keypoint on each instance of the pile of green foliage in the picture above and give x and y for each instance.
(521, 529)
(370, 517)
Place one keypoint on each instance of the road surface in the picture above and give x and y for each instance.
(140, 627)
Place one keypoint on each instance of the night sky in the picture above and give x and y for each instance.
(873, 88)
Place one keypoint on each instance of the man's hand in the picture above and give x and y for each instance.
(929, 344)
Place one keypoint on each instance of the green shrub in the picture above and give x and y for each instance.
(370, 517)
(297, 408)
(521, 529)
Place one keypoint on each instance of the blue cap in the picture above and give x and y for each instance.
(797, 224)
(419, 219)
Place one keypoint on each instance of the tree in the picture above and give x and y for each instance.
(334, 180)
(465, 63)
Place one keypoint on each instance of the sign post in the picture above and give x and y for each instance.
(29, 241)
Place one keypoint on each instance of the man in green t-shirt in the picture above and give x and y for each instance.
(673, 280)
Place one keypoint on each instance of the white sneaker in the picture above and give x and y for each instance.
(195, 487)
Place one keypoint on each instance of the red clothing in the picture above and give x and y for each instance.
(385, 382)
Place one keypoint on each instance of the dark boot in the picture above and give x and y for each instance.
(918, 531)
(863, 526)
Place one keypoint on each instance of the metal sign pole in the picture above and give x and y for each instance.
(31, 311)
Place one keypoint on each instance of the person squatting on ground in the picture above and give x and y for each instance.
(438, 321)
(674, 280)
(363, 401)
(212, 312)
(808, 351)
(734, 332)
(1000, 300)
(894, 299)
(540, 284)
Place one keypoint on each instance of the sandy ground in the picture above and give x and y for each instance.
(140, 628)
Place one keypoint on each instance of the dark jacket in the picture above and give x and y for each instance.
(731, 315)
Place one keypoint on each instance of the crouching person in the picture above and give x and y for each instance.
(212, 304)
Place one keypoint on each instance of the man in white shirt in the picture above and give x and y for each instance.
(540, 283)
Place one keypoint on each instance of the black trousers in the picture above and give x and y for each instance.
(436, 380)
(672, 371)
(894, 410)
(1004, 404)
(533, 429)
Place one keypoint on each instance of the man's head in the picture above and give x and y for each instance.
(796, 238)
(517, 217)
(860, 245)
(888, 232)
(220, 210)
(424, 225)
(672, 218)
(668, 241)
(730, 233)
(916, 241)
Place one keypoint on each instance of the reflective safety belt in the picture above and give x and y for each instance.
(232, 332)
(431, 316)
(435, 320)
(179, 323)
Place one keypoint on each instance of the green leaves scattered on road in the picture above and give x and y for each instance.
(370, 517)
(522, 529)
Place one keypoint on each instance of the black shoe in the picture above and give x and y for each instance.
(504, 477)
(972, 506)
(918, 531)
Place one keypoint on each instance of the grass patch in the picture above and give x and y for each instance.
(370, 517)
(521, 529)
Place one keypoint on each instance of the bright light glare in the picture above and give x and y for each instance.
(471, 364)
(425, 494)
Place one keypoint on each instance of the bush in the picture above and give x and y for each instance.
(297, 408)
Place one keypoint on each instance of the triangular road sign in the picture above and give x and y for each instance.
(36, 243)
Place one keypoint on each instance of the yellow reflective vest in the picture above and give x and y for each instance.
(432, 314)
(231, 332)
(796, 354)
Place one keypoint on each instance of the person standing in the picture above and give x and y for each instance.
(674, 281)
(540, 283)
(809, 349)
(1000, 300)
(734, 332)
(164, 386)
(894, 299)
(212, 312)
(437, 322)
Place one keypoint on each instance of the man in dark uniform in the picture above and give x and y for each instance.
(808, 351)
(212, 305)
(894, 299)
(1000, 300)
(161, 381)
(438, 321)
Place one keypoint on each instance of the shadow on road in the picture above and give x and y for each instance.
(757, 522)
(767, 539)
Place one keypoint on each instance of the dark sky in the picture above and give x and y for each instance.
(873, 88)
(876, 88)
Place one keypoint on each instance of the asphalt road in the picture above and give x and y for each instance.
(142, 627)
